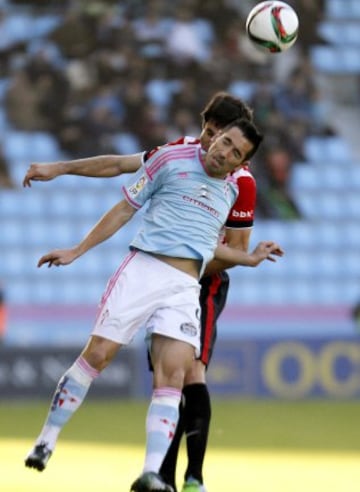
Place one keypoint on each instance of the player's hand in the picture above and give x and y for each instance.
(40, 172)
(59, 257)
(267, 250)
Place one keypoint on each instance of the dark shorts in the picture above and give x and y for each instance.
(213, 294)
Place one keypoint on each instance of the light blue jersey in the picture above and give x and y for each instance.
(187, 207)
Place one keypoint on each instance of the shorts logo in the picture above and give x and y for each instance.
(188, 329)
(104, 316)
(138, 186)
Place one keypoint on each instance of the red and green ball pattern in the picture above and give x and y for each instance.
(278, 27)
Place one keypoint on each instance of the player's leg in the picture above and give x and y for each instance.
(197, 402)
(175, 341)
(116, 324)
(69, 395)
(168, 467)
(171, 359)
(196, 417)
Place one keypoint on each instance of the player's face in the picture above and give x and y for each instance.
(208, 132)
(227, 152)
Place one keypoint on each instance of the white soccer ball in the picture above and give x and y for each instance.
(272, 26)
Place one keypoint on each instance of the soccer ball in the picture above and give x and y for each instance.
(272, 26)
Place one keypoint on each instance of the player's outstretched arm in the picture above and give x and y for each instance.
(110, 223)
(102, 166)
(226, 257)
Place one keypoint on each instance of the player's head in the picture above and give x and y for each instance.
(222, 109)
(233, 146)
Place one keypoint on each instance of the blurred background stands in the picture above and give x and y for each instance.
(79, 78)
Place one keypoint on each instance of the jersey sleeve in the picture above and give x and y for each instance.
(148, 179)
(242, 213)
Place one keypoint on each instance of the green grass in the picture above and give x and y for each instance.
(254, 446)
(305, 425)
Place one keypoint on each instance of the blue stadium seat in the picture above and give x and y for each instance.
(338, 149)
(59, 203)
(301, 235)
(352, 204)
(269, 230)
(18, 290)
(36, 233)
(242, 89)
(340, 9)
(326, 59)
(340, 32)
(329, 234)
(304, 177)
(350, 59)
(160, 92)
(30, 146)
(59, 232)
(330, 205)
(324, 149)
(350, 264)
(333, 177)
(44, 147)
(9, 203)
(12, 232)
(351, 233)
(126, 143)
(13, 261)
(16, 145)
(307, 203)
(21, 203)
(353, 175)
(314, 150)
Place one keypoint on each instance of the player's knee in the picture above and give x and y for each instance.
(170, 376)
(100, 352)
(196, 373)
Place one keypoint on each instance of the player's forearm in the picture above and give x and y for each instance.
(216, 266)
(102, 166)
(265, 250)
(110, 223)
(226, 257)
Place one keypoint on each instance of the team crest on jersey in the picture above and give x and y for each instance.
(203, 192)
(138, 186)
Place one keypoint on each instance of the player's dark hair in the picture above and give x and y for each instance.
(249, 131)
(223, 108)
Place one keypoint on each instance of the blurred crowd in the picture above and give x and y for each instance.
(118, 77)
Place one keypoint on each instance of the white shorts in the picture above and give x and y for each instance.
(146, 292)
